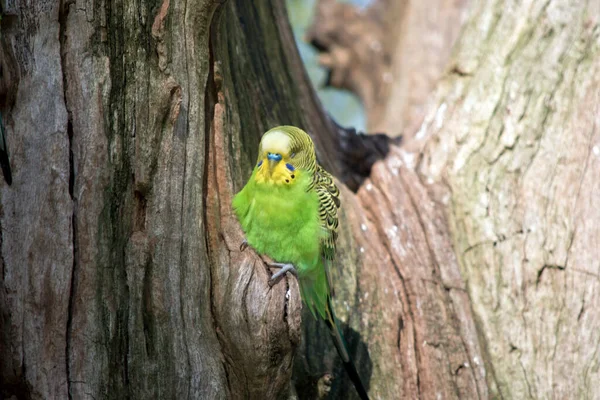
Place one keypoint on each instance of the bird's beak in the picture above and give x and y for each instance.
(274, 159)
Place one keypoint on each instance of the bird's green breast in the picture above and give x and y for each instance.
(282, 221)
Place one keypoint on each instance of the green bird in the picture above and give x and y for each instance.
(289, 211)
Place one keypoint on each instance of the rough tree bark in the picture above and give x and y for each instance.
(509, 146)
(133, 124)
(116, 280)
(519, 149)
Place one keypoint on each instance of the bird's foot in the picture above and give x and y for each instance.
(324, 386)
(244, 245)
(284, 268)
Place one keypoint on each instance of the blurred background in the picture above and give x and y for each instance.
(344, 107)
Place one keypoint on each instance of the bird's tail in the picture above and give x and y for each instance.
(340, 345)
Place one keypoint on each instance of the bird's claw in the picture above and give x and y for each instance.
(244, 245)
(284, 268)
(324, 386)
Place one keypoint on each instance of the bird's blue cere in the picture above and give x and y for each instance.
(290, 167)
(274, 156)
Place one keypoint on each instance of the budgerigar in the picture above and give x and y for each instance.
(289, 211)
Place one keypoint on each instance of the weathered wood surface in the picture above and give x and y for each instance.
(116, 277)
(510, 147)
(514, 134)
(37, 252)
(467, 260)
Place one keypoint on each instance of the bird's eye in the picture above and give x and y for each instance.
(292, 155)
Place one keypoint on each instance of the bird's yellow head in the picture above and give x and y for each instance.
(285, 152)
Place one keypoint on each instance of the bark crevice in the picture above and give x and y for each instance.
(62, 20)
(210, 100)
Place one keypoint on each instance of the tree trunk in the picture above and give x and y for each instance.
(509, 147)
(461, 271)
(122, 276)
(515, 137)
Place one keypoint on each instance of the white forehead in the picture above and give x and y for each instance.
(276, 142)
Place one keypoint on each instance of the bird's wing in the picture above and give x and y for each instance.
(329, 203)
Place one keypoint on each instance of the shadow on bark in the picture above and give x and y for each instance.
(318, 366)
